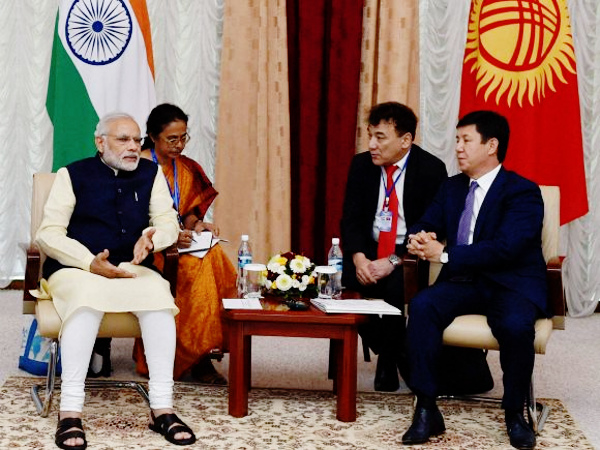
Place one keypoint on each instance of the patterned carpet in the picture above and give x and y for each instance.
(279, 419)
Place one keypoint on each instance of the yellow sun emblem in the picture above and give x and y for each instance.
(518, 47)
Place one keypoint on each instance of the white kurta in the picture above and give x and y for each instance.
(76, 287)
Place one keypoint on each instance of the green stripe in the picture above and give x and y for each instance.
(70, 110)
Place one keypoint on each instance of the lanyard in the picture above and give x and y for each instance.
(173, 191)
(388, 192)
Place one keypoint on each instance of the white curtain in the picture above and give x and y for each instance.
(443, 28)
(187, 47)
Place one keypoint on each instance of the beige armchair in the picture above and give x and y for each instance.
(115, 325)
(473, 331)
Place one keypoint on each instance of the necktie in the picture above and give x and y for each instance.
(464, 225)
(387, 239)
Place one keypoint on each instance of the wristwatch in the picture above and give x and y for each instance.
(444, 256)
(394, 260)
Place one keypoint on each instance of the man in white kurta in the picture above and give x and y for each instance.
(104, 218)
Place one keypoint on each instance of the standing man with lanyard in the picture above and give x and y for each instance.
(388, 189)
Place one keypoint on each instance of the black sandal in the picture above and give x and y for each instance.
(169, 425)
(62, 433)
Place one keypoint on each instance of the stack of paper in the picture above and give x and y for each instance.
(355, 306)
(242, 303)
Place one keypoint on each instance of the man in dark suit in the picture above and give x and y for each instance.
(491, 220)
(374, 207)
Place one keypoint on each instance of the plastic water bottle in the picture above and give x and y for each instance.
(244, 257)
(335, 259)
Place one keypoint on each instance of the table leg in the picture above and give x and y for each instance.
(335, 361)
(239, 363)
(248, 362)
(332, 361)
(346, 376)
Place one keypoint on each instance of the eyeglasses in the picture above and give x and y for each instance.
(173, 140)
(123, 140)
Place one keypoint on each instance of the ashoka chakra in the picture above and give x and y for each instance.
(98, 31)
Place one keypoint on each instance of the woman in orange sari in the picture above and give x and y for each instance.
(201, 282)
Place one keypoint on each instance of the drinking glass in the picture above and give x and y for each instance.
(326, 282)
(254, 280)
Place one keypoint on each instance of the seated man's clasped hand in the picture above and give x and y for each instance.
(425, 246)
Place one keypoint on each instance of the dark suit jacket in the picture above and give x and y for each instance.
(507, 241)
(424, 175)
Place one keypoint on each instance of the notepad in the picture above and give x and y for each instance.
(355, 306)
(201, 244)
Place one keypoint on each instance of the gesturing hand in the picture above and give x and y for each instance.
(102, 266)
(143, 246)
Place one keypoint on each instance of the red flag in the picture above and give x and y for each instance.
(520, 61)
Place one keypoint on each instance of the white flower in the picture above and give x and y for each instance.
(305, 261)
(273, 266)
(268, 283)
(297, 265)
(280, 270)
(283, 282)
(295, 284)
(302, 288)
(305, 279)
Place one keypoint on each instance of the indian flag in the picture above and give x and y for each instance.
(101, 63)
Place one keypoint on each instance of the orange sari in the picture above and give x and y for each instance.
(201, 282)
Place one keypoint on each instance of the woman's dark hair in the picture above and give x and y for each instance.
(161, 116)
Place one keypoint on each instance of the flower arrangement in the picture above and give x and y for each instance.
(291, 276)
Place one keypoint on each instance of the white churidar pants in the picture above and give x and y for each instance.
(77, 342)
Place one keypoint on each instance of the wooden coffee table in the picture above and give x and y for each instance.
(312, 323)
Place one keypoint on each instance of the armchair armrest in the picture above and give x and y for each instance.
(171, 267)
(32, 278)
(416, 276)
(556, 297)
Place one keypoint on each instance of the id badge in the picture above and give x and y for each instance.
(383, 221)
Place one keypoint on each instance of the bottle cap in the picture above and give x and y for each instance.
(335, 241)
(244, 237)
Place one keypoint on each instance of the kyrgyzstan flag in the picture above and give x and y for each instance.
(101, 63)
(520, 61)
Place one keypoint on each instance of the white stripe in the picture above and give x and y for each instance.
(125, 84)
